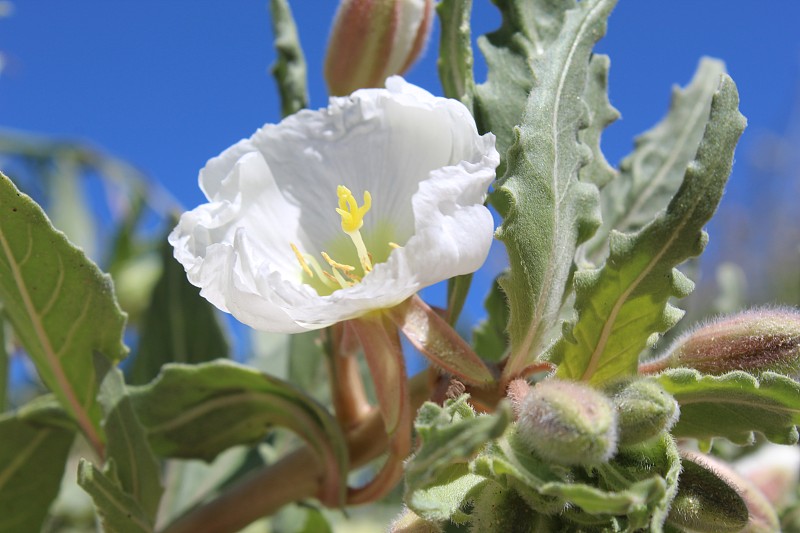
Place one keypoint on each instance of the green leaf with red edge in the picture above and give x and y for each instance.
(197, 411)
(61, 306)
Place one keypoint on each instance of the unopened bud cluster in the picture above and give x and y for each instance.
(644, 411)
(374, 39)
(753, 341)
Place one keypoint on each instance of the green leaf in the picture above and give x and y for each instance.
(734, 405)
(138, 470)
(550, 210)
(601, 114)
(60, 305)
(67, 204)
(455, 50)
(118, 510)
(4, 361)
(622, 306)
(179, 326)
(490, 337)
(437, 480)
(32, 461)
(289, 69)
(197, 411)
(652, 174)
(527, 30)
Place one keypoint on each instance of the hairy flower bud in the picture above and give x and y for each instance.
(568, 423)
(374, 39)
(753, 341)
(644, 410)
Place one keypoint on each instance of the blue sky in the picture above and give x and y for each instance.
(168, 85)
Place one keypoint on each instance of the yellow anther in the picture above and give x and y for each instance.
(394, 245)
(301, 260)
(352, 214)
(334, 264)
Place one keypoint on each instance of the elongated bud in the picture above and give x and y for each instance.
(754, 341)
(568, 423)
(374, 39)
(644, 410)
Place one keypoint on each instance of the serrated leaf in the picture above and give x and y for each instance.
(527, 30)
(289, 69)
(197, 411)
(550, 210)
(437, 478)
(734, 405)
(61, 306)
(489, 337)
(137, 469)
(455, 50)
(179, 325)
(601, 115)
(623, 305)
(653, 172)
(32, 461)
(118, 510)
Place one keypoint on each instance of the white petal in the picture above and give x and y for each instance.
(420, 157)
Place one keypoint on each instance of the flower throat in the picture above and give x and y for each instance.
(342, 275)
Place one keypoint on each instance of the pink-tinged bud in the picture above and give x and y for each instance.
(374, 39)
(753, 341)
(517, 390)
(568, 423)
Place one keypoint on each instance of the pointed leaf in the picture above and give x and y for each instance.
(137, 468)
(60, 305)
(734, 405)
(118, 510)
(179, 325)
(490, 337)
(289, 68)
(653, 172)
(32, 461)
(550, 210)
(455, 50)
(197, 411)
(623, 305)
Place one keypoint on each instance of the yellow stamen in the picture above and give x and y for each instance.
(394, 245)
(334, 264)
(301, 260)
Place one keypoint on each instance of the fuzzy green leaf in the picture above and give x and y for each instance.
(455, 50)
(289, 69)
(601, 114)
(437, 480)
(118, 510)
(61, 306)
(179, 326)
(651, 174)
(490, 337)
(734, 405)
(622, 306)
(527, 30)
(32, 461)
(197, 411)
(138, 470)
(550, 210)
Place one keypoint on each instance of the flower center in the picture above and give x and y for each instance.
(342, 275)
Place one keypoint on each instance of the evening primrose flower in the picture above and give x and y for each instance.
(335, 213)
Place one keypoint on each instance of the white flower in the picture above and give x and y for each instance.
(256, 247)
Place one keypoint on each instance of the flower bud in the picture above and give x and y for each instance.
(644, 410)
(374, 39)
(753, 341)
(569, 423)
